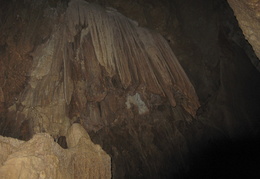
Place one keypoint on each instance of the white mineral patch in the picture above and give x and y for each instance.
(44, 59)
(137, 101)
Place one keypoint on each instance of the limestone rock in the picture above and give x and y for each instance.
(82, 53)
(247, 13)
(90, 52)
(75, 133)
(42, 158)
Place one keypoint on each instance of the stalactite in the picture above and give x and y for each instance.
(102, 43)
(136, 54)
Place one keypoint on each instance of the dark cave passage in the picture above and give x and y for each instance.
(227, 159)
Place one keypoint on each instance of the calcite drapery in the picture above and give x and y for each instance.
(90, 49)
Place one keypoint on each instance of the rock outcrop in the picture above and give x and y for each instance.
(80, 62)
(247, 13)
(42, 158)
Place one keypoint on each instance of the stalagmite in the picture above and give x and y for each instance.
(42, 158)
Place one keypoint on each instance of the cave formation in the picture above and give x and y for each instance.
(161, 89)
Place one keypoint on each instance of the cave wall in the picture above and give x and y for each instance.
(248, 14)
(211, 47)
(207, 42)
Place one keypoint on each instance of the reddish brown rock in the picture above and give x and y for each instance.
(91, 52)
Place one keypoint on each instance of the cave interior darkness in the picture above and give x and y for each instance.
(221, 141)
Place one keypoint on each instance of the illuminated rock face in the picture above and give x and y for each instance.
(247, 13)
(88, 49)
(41, 157)
(96, 67)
